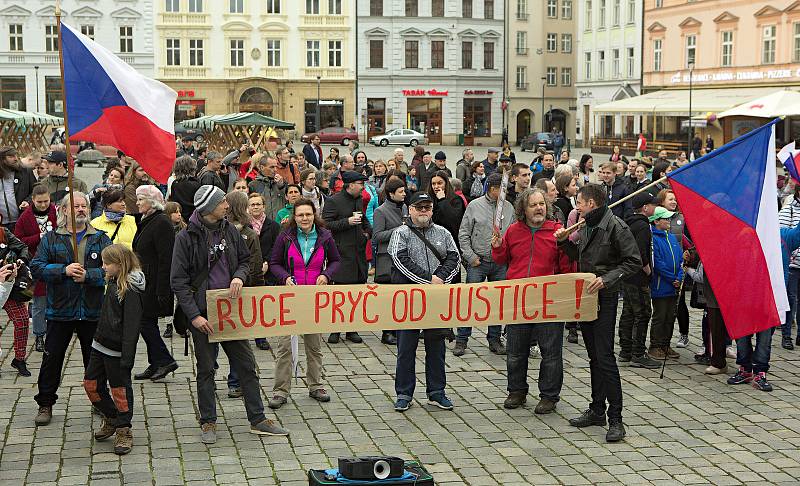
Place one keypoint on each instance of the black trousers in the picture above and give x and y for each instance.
(683, 310)
(119, 404)
(634, 320)
(59, 335)
(598, 337)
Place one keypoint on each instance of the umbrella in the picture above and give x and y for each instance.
(780, 103)
(90, 155)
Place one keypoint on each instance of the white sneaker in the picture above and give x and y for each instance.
(713, 370)
(683, 341)
(730, 352)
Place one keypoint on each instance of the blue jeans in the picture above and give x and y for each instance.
(38, 308)
(792, 284)
(487, 270)
(755, 360)
(551, 371)
(405, 376)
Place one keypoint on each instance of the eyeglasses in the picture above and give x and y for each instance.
(423, 208)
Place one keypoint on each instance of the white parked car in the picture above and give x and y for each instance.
(399, 136)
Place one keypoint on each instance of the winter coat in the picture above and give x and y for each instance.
(290, 173)
(182, 192)
(565, 207)
(24, 180)
(415, 263)
(489, 167)
(606, 248)
(266, 239)
(531, 254)
(27, 230)
(448, 213)
(190, 255)
(350, 240)
(313, 155)
(126, 233)
(120, 320)
(209, 178)
(273, 192)
(479, 191)
(388, 217)
(543, 174)
(667, 264)
(617, 191)
(287, 258)
(640, 228)
(251, 240)
(11, 244)
(68, 300)
(475, 234)
(463, 171)
(153, 244)
(130, 195)
(95, 198)
(57, 185)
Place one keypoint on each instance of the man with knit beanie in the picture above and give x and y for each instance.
(211, 254)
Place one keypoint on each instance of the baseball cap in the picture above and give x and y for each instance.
(641, 199)
(419, 198)
(349, 176)
(661, 213)
(56, 156)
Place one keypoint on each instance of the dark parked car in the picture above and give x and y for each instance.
(193, 133)
(535, 140)
(337, 135)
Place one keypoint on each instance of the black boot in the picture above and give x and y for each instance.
(20, 366)
(388, 338)
(334, 338)
(572, 336)
(616, 431)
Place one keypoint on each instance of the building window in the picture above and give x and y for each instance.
(727, 48)
(335, 7)
(630, 60)
(588, 8)
(52, 96)
(466, 9)
(601, 22)
(478, 116)
(522, 9)
(659, 3)
(437, 8)
(566, 43)
(796, 50)
(335, 53)
(173, 52)
(566, 9)
(601, 64)
(657, 55)
(691, 50)
(587, 65)
(488, 9)
(172, 6)
(376, 115)
(412, 8)
(273, 6)
(768, 45)
(566, 76)
(631, 11)
(616, 13)
(488, 55)
(15, 37)
(312, 53)
(88, 31)
(412, 54)
(273, 52)
(615, 63)
(237, 52)
(196, 6)
(312, 7)
(196, 52)
(236, 6)
(126, 39)
(376, 54)
(552, 42)
(522, 78)
(551, 76)
(466, 55)
(12, 92)
(376, 8)
(552, 9)
(50, 38)
(437, 54)
(522, 43)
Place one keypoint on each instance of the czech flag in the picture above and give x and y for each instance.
(790, 157)
(109, 102)
(729, 200)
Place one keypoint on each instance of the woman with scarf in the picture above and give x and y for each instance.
(119, 227)
(267, 231)
(309, 189)
(113, 180)
(378, 177)
(474, 185)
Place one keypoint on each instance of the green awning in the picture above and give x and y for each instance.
(209, 121)
(24, 118)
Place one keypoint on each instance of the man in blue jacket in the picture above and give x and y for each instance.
(664, 284)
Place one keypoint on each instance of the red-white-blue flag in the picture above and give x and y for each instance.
(729, 200)
(109, 102)
(790, 158)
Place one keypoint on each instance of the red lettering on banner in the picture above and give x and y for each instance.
(449, 315)
(502, 289)
(466, 316)
(525, 302)
(419, 316)
(224, 317)
(483, 299)
(285, 310)
(371, 293)
(252, 322)
(546, 301)
(337, 301)
(317, 305)
(405, 306)
(261, 308)
(353, 304)
(516, 301)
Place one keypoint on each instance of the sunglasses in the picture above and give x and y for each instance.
(424, 208)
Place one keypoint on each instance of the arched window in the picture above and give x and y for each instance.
(257, 100)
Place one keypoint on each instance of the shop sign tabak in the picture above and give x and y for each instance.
(282, 311)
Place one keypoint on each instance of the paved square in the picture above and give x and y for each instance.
(685, 429)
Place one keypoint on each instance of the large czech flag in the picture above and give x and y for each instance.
(109, 102)
(729, 200)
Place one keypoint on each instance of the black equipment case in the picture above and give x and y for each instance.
(316, 477)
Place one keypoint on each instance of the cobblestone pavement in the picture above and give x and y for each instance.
(687, 428)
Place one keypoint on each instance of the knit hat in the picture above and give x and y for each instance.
(150, 192)
(207, 198)
(440, 156)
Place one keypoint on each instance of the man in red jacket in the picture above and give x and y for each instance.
(530, 250)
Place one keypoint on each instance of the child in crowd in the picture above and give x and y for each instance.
(173, 210)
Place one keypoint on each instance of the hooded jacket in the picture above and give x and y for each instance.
(415, 263)
(287, 258)
(531, 253)
(120, 320)
(640, 227)
(667, 264)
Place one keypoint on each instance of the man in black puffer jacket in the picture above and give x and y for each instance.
(616, 189)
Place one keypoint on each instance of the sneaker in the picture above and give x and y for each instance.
(786, 343)
(683, 341)
(741, 377)
(713, 370)
(44, 416)
(760, 382)
(276, 402)
(460, 348)
(616, 431)
(208, 433)
(162, 371)
(20, 366)
(645, 361)
(268, 427)
(496, 346)
(235, 392)
(572, 336)
(544, 407)
(39, 344)
(320, 395)
(401, 405)
(588, 418)
(333, 338)
(167, 331)
(106, 430)
(263, 344)
(730, 352)
(672, 354)
(123, 442)
(657, 353)
(515, 400)
(441, 401)
(353, 337)
(702, 359)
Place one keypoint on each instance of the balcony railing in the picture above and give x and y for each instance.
(323, 21)
(236, 72)
(197, 72)
(522, 86)
(275, 72)
(173, 72)
(178, 18)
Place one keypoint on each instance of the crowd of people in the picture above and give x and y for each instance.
(279, 217)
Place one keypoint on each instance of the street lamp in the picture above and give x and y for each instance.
(318, 78)
(690, 128)
(36, 70)
(544, 83)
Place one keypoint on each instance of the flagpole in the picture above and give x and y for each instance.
(70, 162)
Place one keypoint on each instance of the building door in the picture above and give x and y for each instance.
(376, 116)
(523, 125)
(425, 116)
(469, 129)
